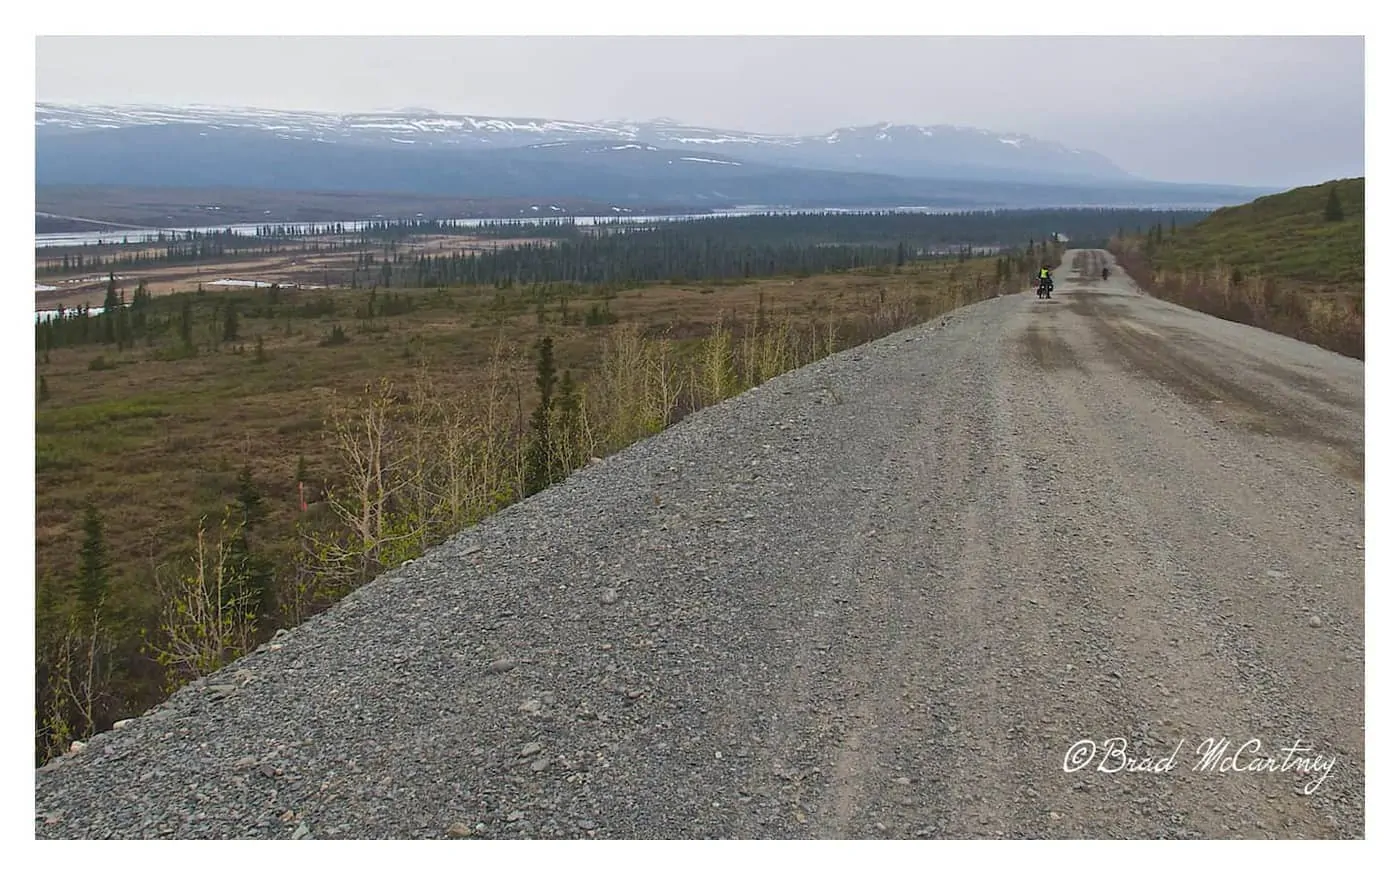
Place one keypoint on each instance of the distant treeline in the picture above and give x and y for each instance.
(196, 251)
(618, 254)
(379, 232)
(994, 228)
(638, 256)
(982, 227)
(997, 228)
(756, 246)
(192, 247)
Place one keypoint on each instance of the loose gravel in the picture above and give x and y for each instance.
(880, 597)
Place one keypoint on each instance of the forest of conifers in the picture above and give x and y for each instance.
(624, 251)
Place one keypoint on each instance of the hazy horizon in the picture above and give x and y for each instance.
(1261, 111)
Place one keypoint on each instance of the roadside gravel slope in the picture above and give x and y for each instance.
(878, 597)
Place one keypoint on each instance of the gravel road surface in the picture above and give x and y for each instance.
(879, 597)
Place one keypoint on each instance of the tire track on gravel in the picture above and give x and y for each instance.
(1161, 645)
(1229, 520)
(1042, 636)
(1248, 407)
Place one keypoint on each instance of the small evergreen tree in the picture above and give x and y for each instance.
(251, 571)
(230, 323)
(250, 502)
(122, 321)
(109, 303)
(569, 410)
(1333, 211)
(92, 562)
(538, 468)
(187, 324)
(109, 310)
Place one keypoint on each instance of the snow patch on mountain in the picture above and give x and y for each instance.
(710, 161)
(911, 148)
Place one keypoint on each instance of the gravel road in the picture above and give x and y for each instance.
(881, 596)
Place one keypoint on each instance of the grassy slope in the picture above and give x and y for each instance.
(1282, 236)
(1275, 262)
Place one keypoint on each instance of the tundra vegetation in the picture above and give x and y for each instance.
(214, 466)
(1293, 263)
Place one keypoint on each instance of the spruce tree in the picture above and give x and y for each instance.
(109, 310)
(1333, 211)
(570, 412)
(250, 501)
(537, 471)
(187, 324)
(251, 572)
(230, 323)
(109, 303)
(92, 562)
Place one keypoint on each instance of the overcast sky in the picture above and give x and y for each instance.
(1249, 110)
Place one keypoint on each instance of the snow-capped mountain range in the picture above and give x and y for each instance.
(940, 150)
(655, 163)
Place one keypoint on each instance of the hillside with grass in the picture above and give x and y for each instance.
(1293, 263)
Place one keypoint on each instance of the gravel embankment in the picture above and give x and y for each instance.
(877, 597)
